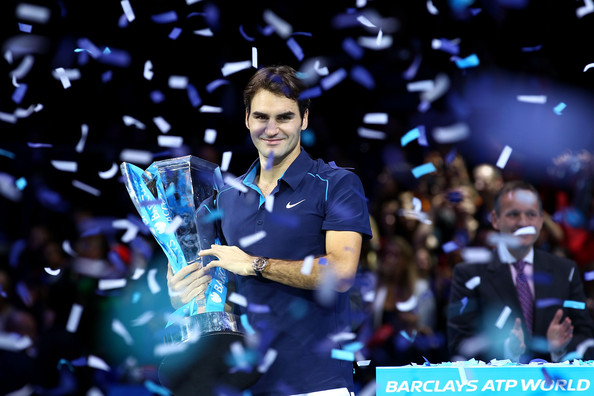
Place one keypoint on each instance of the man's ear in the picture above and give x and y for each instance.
(247, 119)
(494, 220)
(305, 120)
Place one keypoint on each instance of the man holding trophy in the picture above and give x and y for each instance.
(289, 238)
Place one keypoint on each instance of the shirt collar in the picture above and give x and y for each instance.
(506, 257)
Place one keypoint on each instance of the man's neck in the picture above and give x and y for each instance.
(270, 174)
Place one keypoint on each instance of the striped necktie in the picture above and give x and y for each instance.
(524, 294)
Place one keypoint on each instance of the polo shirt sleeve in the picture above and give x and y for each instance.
(346, 205)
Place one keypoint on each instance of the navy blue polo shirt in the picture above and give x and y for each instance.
(310, 198)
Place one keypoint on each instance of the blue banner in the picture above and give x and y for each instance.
(547, 379)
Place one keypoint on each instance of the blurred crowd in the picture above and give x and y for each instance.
(59, 317)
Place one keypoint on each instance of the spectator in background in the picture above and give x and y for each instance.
(512, 306)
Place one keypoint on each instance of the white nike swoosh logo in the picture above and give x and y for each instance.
(290, 205)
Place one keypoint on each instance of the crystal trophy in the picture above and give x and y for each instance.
(175, 199)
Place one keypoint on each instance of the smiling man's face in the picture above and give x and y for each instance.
(518, 209)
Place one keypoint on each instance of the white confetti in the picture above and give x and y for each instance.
(408, 305)
(52, 272)
(367, 133)
(136, 156)
(142, 319)
(210, 109)
(111, 172)
(236, 184)
(86, 188)
(178, 82)
(128, 120)
(571, 274)
(538, 99)
(501, 239)
(84, 130)
(108, 284)
(204, 32)
(170, 141)
(473, 282)
(281, 27)
(138, 272)
(162, 124)
(365, 22)
(23, 68)
(174, 225)
(476, 254)
(251, 239)
(60, 73)
(441, 86)
(504, 157)
(254, 57)
(14, 342)
(363, 363)
(148, 70)
(452, 133)
(234, 67)
(269, 203)
(74, 318)
(500, 322)
(98, 363)
(210, 136)
(586, 9)
(118, 328)
(307, 265)
(376, 118)
(130, 227)
(385, 41)
(419, 86)
(525, 231)
(431, 8)
(128, 11)
(343, 336)
(68, 248)
(151, 279)
(33, 13)
(588, 66)
(66, 166)
(168, 349)
(267, 361)
(226, 160)
(238, 299)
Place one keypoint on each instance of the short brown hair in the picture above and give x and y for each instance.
(280, 80)
(513, 186)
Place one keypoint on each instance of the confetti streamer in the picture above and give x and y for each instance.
(161, 350)
(476, 254)
(128, 121)
(280, 26)
(269, 203)
(450, 46)
(431, 8)
(83, 138)
(410, 136)
(109, 284)
(236, 184)
(52, 272)
(165, 17)
(424, 169)
(473, 282)
(226, 160)
(118, 328)
(210, 136)
(537, 99)
(143, 319)
(586, 9)
(238, 299)
(333, 79)
(295, 48)
(469, 61)
(416, 86)
(450, 246)
(589, 276)
(234, 67)
(244, 34)
(154, 388)
(210, 109)
(452, 133)
(371, 134)
(251, 239)
(376, 118)
(14, 342)
(408, 305)
(500, 322)
(74, 318)
(464, 303)
(170, 141)
(307, 265)
(177, 82)
(86, 188)
(380, 42)
(525, 231)
(152, 281)
(66, 166)
(136, 156)
(504, 157)
(267, 360)
(111, 172)
(98, 363)
(21, 183)
(574, 304)
(559, 108)
(174, 225)
(588, 66)
(547, 302)
(175, 33)
(128, 11)
(342, 355)
(33, 13)
(23, 68)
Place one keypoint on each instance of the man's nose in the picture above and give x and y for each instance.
(271, 127)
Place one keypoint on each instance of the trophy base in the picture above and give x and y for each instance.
(202, 368)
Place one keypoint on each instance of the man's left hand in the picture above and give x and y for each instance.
(559, 333)
(230, 258)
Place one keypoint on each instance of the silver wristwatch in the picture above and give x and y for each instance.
(259, 264)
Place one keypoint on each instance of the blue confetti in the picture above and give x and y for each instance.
(313, 92)
(574, 304)
(106, 76)
(136, 297)
(323, 261)
(157, 96)
(333, 79)
(464, 303)
(19, 93)
(423, 169)
(210, 87)
(245, 36)
(343, 355)
(7, 153)
(559, 108)
(362, 76)
(258, 308)
(410, 136)
(469, 61)
(193, 95)
(350, 46)
(154, 388)
(547, 302)
(246, 325)
(166, 17)
(212, 216)
(175, 33)
(295, 48)
(422, 136)
(21, 183)
(450, 246)
(25, 27)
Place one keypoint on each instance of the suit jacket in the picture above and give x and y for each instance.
(473, 328)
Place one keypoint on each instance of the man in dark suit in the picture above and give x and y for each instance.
(523, 303)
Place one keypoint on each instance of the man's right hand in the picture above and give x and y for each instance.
(188, 283)
(517, 345)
